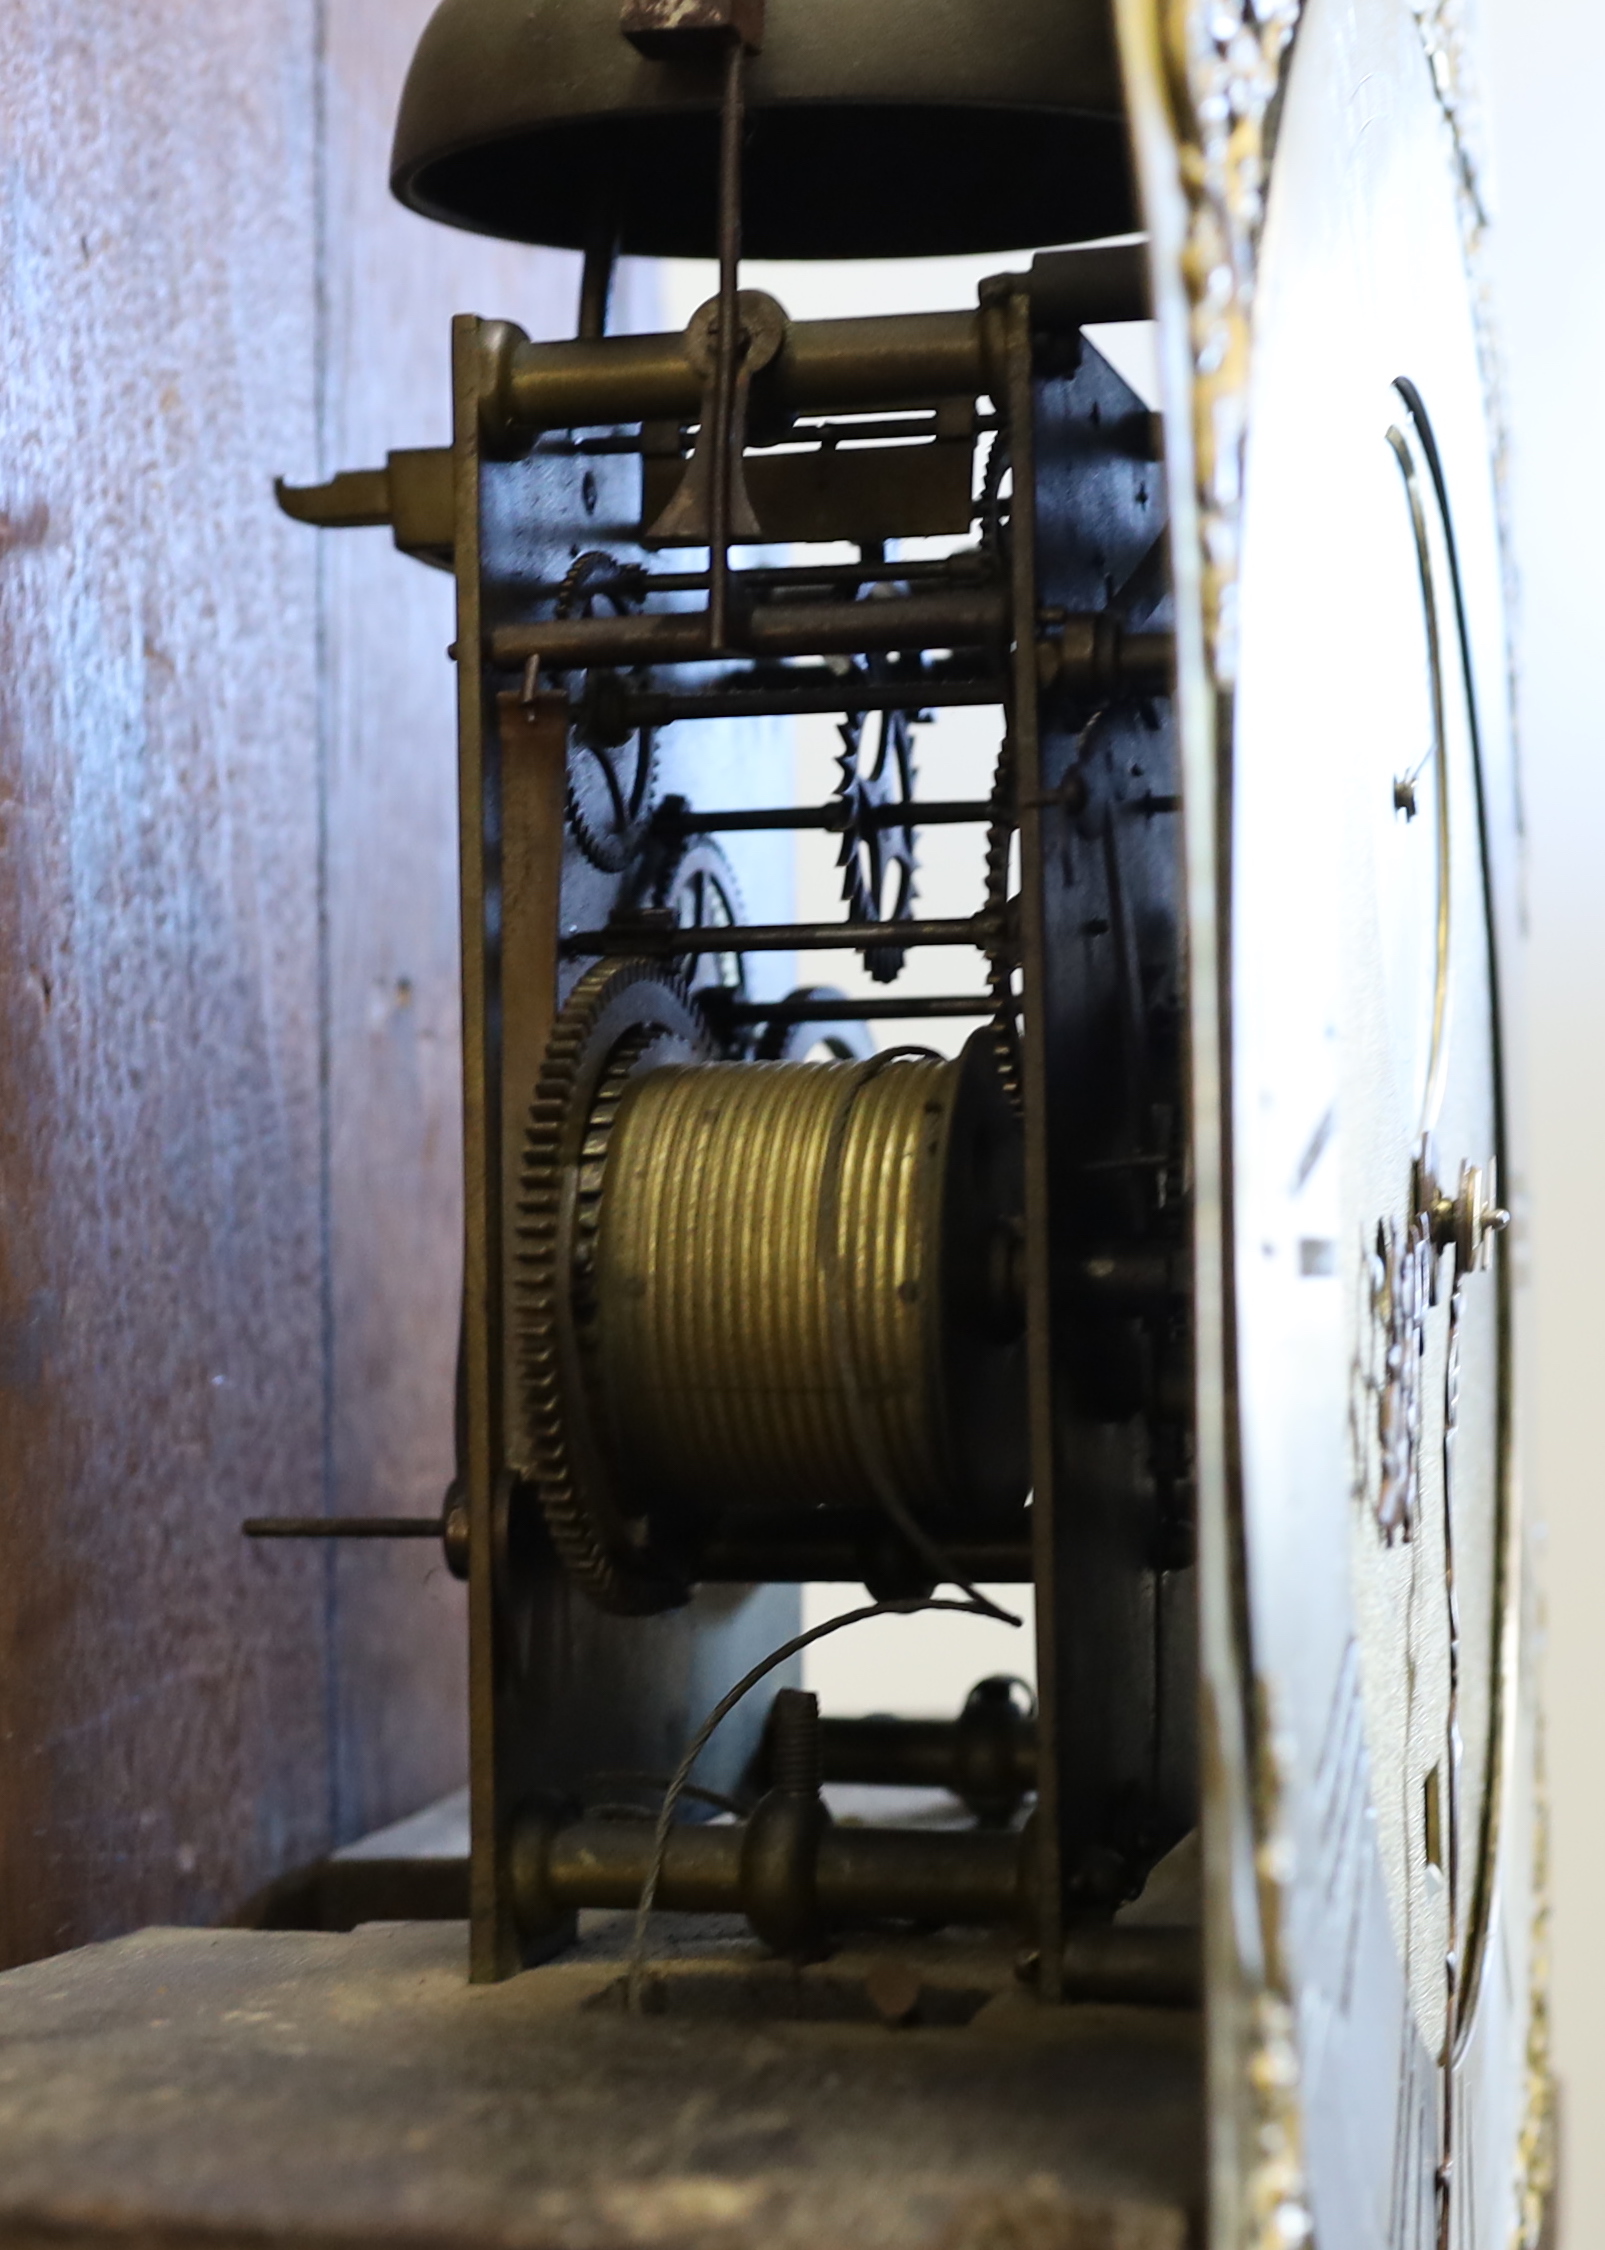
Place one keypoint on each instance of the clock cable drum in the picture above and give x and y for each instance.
(792, 1289)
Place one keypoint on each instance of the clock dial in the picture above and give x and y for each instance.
(1427, 1410)
(1371, 806)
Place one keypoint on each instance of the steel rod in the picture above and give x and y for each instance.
(973, 1876)
(893, 360)
(885, 360)
(964, 1005)
(627, 938)
(598, 272)
(342, 1527)
(730, 341)
(1092, 651)
(828, 436)
(971, 618)
(991, 1750)
(776, 577)
(937, 813)
(661, 708)
(1154, 1967)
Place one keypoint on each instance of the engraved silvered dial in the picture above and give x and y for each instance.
(1364, 770)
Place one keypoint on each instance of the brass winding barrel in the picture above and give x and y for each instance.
(760, 1293)
(740, 1199)
(804, 1289)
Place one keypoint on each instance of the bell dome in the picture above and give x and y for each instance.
(875, 128)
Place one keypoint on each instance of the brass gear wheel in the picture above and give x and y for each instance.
(690, 876)
(611, 782)
(876, 764)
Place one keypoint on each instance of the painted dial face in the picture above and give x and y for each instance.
(1369, 743)
(1426, 1408)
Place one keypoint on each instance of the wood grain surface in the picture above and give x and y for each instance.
(285, 2090)
(229, 1205)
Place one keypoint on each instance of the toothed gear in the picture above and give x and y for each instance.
(691, 878)
(993, 507)
(623, 781)
(877, 860)
(622, 1017)
(1000, 829)
(610, 785)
